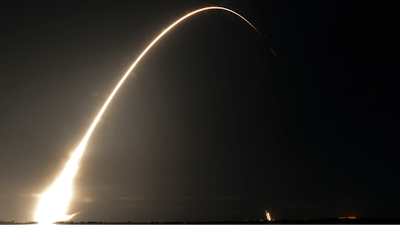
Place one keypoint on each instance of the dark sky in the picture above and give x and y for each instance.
(210, 125)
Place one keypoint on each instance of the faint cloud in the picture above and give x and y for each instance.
(131, 198)
(301, 204)
(184, 198)
(132, 74)
(87, 200)
(34, 195)
(208, 198)
(136, 206)
(180, 206)
(95, 94)
(225, 198)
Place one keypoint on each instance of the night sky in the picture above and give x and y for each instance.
(210, 125)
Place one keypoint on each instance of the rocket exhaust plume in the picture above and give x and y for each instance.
(54, 201)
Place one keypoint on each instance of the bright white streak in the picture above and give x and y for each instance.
(54, 201)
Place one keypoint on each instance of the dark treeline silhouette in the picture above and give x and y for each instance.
(304, 221)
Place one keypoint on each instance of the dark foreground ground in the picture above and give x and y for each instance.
(311, 221)
(325, 221)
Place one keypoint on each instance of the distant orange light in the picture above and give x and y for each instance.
(348, 217)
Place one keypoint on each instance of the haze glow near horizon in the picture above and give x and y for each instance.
(54, 201)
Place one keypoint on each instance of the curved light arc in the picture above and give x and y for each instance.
(86, 138)
(56, 198)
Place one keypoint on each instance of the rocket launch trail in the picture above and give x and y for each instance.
(54, 201)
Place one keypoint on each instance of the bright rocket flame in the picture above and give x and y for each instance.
(54, 201)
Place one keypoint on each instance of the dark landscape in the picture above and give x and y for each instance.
(304, 221)
(293, 112)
